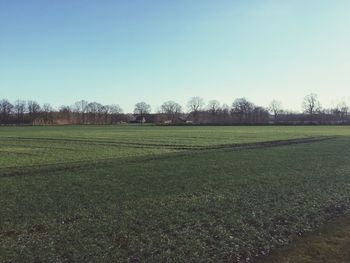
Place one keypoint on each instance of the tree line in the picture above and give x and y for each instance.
(241, 111)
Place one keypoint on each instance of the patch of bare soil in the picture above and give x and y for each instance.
(331, 244)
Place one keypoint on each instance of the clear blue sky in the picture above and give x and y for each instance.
(123, 52)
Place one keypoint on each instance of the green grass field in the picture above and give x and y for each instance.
(166, 194)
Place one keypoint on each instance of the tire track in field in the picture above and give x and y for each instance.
(240, 147)
(165, 145)
(97, 163)
(266, 144)
(113, 143)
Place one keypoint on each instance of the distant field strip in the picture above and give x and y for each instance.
(111, 143)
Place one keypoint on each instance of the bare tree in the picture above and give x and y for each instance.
(110, 111)
(20, 108)
(115, 112)
(81, 107)
(275, 108)
(195, 104)
(33, 109)
(106, 113)
(95, 111)
(343, 107)
(260, 114)
(142, 108)
(213, 106)
(311, 104)
(341, 111)
(5, 110)
(115, 109)
(225, 109)
(242, 107)
(241, 110)
(172, 109)
(47, 113)
(65, 114)
(100, 112)
(47, 107)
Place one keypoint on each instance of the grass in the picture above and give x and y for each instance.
(328, 244)
(131, 193)
(24, 146)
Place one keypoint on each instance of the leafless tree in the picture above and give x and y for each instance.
(47, 107)
(311, 104)
(195, 104)
(225, 109)
(275, 108)
(172, 109)
(33, 109)
(81, 107)
(5, 110)
(115, 112)
(47, 113)
(65, 114)
(242, 107)
(95, 111)
(242, 110)
(20, 108)
(341, 111)
(109, 110)
(142, 108)
(115, 109)
(5, 107)
(100, 112)
(344, 108)
(213, 106)
(260, 114)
